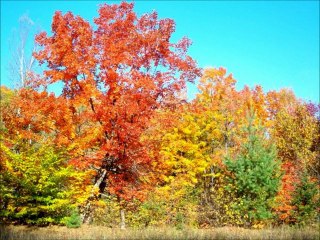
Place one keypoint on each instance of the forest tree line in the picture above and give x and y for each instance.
(122, 145)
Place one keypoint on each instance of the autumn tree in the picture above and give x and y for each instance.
(219, 98)
(217, 110)
(284, 100)
(295, 133)
(191, 149)
(37, 184)
(181, 162)
(114, 75)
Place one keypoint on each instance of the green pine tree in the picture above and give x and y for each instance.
(306, 200)
(255, 176)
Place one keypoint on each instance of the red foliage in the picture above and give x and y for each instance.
(284, 198)
(114, 77)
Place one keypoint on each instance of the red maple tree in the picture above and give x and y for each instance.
(114, 75)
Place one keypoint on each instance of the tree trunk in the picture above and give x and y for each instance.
(86, 215)
(122, 219)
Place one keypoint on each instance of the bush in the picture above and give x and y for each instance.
(37, 185)
(74, 221)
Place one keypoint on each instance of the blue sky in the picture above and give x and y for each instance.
(273, 44)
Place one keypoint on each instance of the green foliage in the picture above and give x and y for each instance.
(39, 186)
(255, 177)
(74, 220)
(306, 200)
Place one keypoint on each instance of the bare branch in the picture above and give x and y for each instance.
(21, 46)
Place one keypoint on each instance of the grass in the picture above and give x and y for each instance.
(97, 232)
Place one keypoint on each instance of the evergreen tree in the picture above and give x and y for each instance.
(306, 200)
(254, 176)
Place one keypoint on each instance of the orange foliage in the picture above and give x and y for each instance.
(114, 77)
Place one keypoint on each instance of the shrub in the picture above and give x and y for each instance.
(74, 220)
(40, 187)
